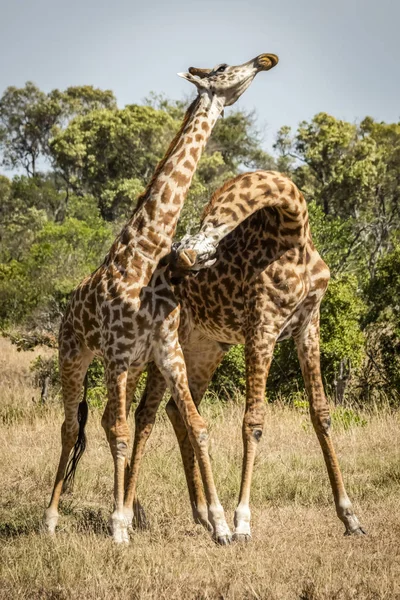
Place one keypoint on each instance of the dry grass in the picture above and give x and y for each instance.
(298, 549)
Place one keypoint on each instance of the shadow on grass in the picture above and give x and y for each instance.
(15, 528)
(82, 520)
(91, 520)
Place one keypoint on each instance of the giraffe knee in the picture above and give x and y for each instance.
(198, 432)
(253, 422)
(202, 438)
(257, 434)
(118, 438)
(321, 420)
(119, 431)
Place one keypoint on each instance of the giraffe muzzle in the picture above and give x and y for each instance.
(185, 259)
(181, 260)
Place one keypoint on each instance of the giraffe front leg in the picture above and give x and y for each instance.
(138, 510)
(171, 363)
(259, 350)
(115, 424)
(307, 342)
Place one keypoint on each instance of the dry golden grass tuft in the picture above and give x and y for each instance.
(297, 551)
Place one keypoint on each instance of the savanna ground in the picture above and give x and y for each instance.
(298, 549)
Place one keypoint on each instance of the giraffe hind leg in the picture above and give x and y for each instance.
(202, 358)
(307, 342)
(72, 371)
(259, 349)
(144, 420)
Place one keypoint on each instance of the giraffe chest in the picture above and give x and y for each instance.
(115, 324)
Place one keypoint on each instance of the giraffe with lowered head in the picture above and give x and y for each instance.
(266, 285)
(117, 312)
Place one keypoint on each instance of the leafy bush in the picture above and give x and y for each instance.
(38, 286)
(230, 377)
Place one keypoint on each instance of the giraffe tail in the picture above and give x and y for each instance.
(80, 444)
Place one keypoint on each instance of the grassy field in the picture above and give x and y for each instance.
(297, 551)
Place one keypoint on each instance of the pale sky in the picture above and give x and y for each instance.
(341, 57)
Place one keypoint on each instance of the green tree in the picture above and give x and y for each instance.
(382, 369)
(111, 154)
(29, 118)
(352, 172)
(36, 288)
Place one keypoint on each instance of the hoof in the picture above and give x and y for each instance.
(223, 540)
(118, 529)
(357, 532)
(242, 538)
(49, 523)
(121, 536)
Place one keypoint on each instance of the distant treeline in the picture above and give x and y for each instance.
(84, 162)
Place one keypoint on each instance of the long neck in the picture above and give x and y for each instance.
(152, 226)
(234, 202)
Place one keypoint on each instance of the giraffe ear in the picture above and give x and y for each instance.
(199, 72)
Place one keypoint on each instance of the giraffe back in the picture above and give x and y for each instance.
(268, 259)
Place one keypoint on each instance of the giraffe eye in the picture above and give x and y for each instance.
(221, 69)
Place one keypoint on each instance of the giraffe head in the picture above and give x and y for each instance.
(228, 83)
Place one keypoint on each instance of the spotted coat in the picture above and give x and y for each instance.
(266, 285)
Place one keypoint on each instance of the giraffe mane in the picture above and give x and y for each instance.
(144, 195)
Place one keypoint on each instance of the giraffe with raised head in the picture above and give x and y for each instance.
(266, 285)
(118, 313)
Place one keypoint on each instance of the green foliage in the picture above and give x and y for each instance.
(29, 117)
(230, 377)
(384, 289)
(382, 370)
(351, 171)
(342, 417)
(46, 373)
(60, 256)
(135, 138)
(341, 336)
(347, 418)
(97, 391)
(333, 236)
